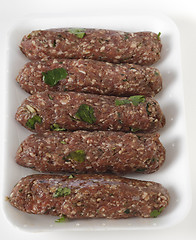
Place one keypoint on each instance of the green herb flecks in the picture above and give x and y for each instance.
(126, 36)
(127, 211)
(158, 35)
(78, 156)
(61, 192)
(140, 170)
(56, 127)
(135, 100)
(133, 130)
(119, 102)
(78, 32)
(85, 113)
(63, 218)
(124, 80)
(50, 97)
(65, 159)
(71, 176)
(63, 142)
(52, 77)
(100, 150)
(54, 43)
(156, 73)
(155, 213)
(147, 108)
(31, 122)
(119, 118)
(154, 160)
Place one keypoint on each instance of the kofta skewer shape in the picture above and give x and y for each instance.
(89, 196)
(89, 76)
(141, 48)
(92, 152)
(54, 111)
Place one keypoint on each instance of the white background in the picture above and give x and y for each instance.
(184, 15)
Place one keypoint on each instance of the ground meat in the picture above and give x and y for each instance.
(141, 48)
(78, 111)
(91, 76)
(91, 152)
(89, 196)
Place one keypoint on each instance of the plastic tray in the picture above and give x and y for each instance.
(173, 174)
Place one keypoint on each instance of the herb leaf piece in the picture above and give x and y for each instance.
(119, 102)
(127, 211)
(31, 122)
(78, 155)
(50, 97)
(133, 130)
(155, 213)
(71, 176)
(85, 113)
(78, 32)
(61, 219)
(61, 192)
(147, 108)
(140, 170)
(56, 127)
(158, 35)
(52, 77)
(126, 36)
(135, 100)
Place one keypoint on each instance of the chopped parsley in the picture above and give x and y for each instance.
(31, 122)
(85, 113)
(154, 160)
(140, 170)
(78, 32)
(126, 36)
(50, 97)
(119, 102)
(71, 176)
(56, 127)
(61, 219)
(52, 77)
(63, 142)
(127, 211)
(119, 118)
(78, 156)
(158, 35)
(155, 213)
(135, 100)
(54, 43)
(61, 192)
(147, 108)
(133, 130)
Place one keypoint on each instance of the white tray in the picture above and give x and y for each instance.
(173, 175)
